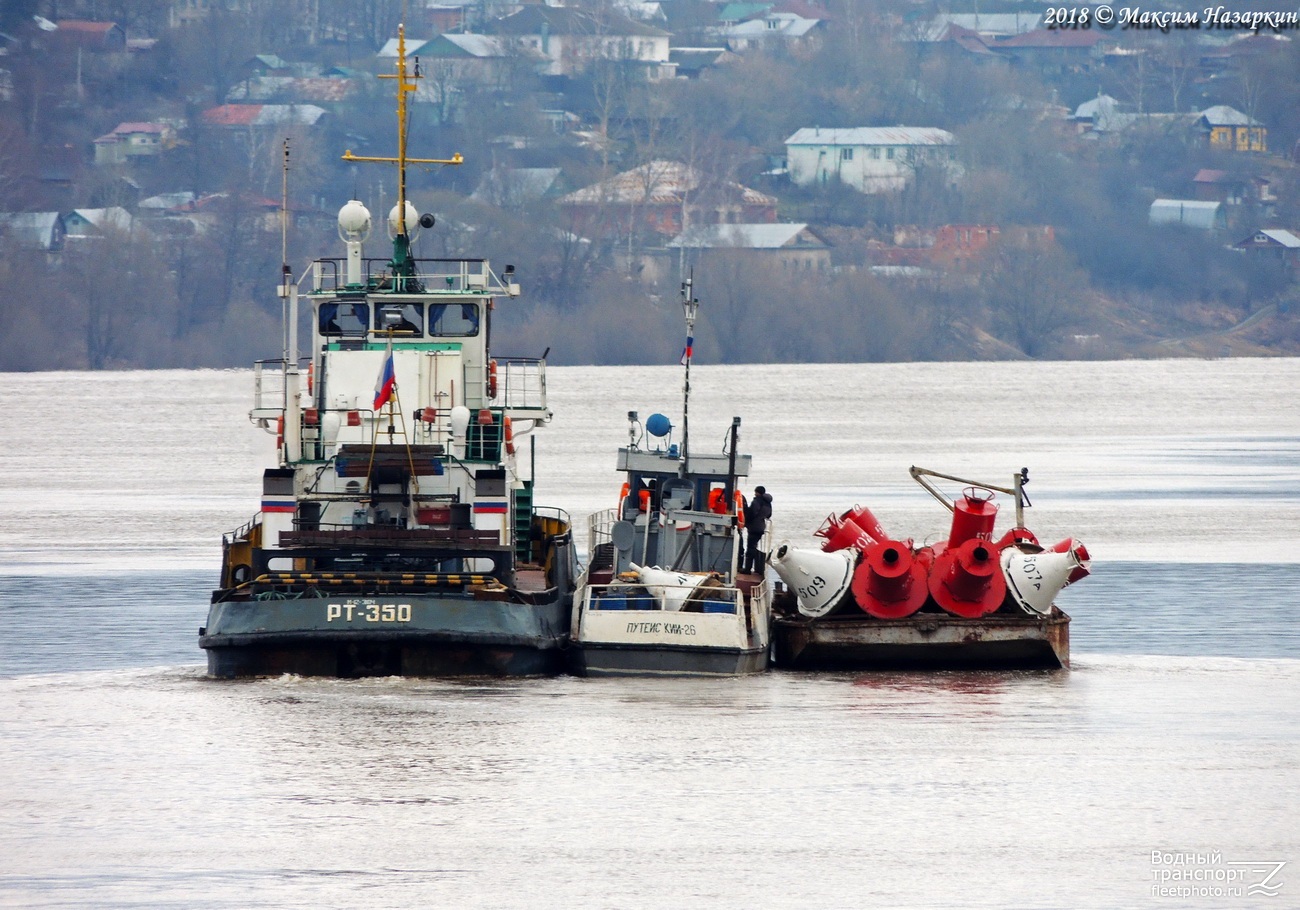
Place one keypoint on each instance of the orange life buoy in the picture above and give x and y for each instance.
(740, 510)
(509, 432)
(492, 379)
(311, 376)
(279, 432)
(622, 495)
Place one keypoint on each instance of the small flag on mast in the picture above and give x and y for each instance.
(387, 381)
(688, 350)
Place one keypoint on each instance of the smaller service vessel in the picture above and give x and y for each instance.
(867, 600)
(663, 593)
(398, 534)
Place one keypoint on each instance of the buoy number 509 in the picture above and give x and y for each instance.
(370, 612)
(812, 589)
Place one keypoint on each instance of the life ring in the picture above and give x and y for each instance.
(740, 510)
(622, 495)
(492, 379)
(509, 433)
(279, 432)
(311, 377)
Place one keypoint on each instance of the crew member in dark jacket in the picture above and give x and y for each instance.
(757, 512)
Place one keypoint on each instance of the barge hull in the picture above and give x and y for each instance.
(931, 642)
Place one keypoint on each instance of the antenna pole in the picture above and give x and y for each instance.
(403, 267)
(690, 306)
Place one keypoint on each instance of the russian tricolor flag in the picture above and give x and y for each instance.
(386, 383)
(688, 350)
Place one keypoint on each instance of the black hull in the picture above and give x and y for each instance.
(353, 656)
(614, 660)
(923, 642)
(424, 635)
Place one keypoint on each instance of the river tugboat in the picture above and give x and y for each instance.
(866, 600)
(663, 593)
(398, 534)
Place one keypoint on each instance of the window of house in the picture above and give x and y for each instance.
(846, 154)
(875, 153)
(889, 152)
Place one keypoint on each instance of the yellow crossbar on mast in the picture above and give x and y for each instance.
(405, 85)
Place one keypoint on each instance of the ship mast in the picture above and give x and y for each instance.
(690, 306)
(403, 265)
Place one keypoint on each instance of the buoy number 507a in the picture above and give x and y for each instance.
(369, 612)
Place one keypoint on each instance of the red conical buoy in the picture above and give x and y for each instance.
(972, 516)
(1070, 545)
(842, 533)
(890, 582)
(1017, 537)
(967, 580)
(862, 517)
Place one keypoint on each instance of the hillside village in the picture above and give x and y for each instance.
(846, 181)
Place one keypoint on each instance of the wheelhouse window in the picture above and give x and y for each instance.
(454, 319)
(401, 318)
(344, 317)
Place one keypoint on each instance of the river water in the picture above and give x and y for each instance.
(1166, 759)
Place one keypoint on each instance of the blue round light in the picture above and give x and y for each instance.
(658, 425)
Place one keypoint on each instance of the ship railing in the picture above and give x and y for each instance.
(706, 597)
(600, 529)
(464, 276)
(554, 512)
(521, 386)
(268, 389)
(242, 531)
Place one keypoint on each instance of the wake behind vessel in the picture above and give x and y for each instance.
(398, 534)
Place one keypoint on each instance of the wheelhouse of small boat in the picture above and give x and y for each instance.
(676, 511)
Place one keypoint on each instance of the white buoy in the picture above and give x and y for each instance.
(1034, 579)
(670, 589)
(820, 580)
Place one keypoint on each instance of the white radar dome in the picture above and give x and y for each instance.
(412, 221)
(354, 221)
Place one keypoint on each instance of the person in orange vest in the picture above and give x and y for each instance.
(757, 513)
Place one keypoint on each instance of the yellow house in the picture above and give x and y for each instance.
(1230, 130)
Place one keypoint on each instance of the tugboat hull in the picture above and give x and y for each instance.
(407, 636)
(930, 641)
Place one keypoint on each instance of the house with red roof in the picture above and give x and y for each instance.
(251, 116)
(659, 196)
(101, 37)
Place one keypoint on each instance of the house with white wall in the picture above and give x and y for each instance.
(566, 41)
(871, 159)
